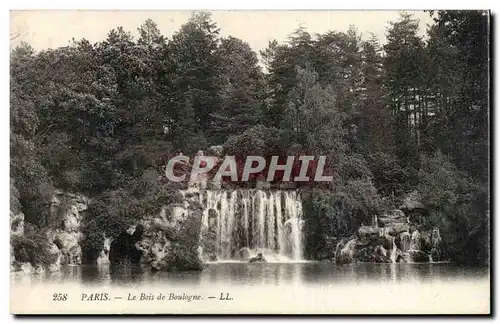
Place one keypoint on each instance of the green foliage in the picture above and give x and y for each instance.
(28, 175)
(390, 178)
(459, 205)
(242, 91)
(183, 255)
(33, 248)
(258, 140)
(312, 115)
(182, 259)
(98, 119)
(439, 181)
(331, 215)
(94, 241)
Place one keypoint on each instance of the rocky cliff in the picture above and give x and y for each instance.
(391, 239)
(35, 249)
(166, 241)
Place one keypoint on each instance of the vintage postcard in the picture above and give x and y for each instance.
(249, 162)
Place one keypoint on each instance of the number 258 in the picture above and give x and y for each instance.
(59, 297)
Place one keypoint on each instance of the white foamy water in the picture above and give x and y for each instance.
(261, 221)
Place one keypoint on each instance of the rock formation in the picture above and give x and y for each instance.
(66, 213)
(124, 248)
(166, 241)
(390, 240)
(58, 243)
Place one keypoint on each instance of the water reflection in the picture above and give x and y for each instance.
(314, 273)
(253, 274)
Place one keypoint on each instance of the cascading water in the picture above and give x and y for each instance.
(394, 254)
(259, 221)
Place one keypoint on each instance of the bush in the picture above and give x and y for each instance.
(390, 177)
(457, 205)
(94, 241)
(33, 249)
(258, 140)
(182, 258)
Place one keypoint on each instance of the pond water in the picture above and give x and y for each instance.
(307, 273)
(259, 288)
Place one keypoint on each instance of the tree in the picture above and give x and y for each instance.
(281, 62)
(461, 40)
(30, 184)
(242, 91)
(196, 77)
(457, 204)
(375, 121)
(312, 115)
(403, 62)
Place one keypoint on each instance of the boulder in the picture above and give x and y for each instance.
(57, 255)
(345, 253)
(435, 255)
(403, 241)
(338, 249)
(368, 233)
(258, 258)
(65, 241)
(365, 254)
(212, 257)
(71, 256)
(16, 223)
(103, 257)
(172, 243)
(67, 210)
(244, 254)
(57, 242)
(71, 223)
(418, 256)
(396, 228)
(380, 255)
(392, 217)
(403, 258)
(415, 239)
(25, 267)
(426, 241)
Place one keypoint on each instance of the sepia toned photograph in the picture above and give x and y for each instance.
(250, 162)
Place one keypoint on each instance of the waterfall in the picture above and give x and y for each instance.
(394, 254)
(261, 221)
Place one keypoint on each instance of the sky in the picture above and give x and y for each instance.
(44, 29)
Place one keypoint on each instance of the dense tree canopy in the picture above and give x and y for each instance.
(408, 115)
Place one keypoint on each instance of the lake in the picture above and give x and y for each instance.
(239, 273)
(307, 287)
